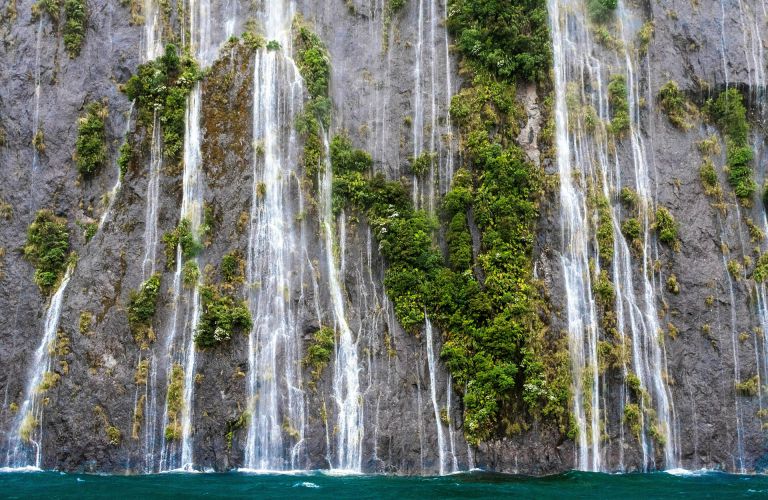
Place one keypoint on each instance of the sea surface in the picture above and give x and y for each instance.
(700, 484)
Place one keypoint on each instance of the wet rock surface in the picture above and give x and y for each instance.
(372, 90)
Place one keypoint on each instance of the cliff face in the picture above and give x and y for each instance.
(391, 82)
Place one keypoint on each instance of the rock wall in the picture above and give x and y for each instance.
(373, 57)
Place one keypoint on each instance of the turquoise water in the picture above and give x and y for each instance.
(320, 485)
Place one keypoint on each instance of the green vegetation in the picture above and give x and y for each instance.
(28, 426)
(142, 304)
(674, 103)
(222, 316)
(349, 166)
(709, 178)
(91, 144)
(628, 197)
(315, 67)
(89, 229)
(181, 236)
(421, 165)
(86, 321)
(672, 284)
(508, 39)
(748, 388)
(760, 273)
(232, 267)
(494, 347)
(644, 37)
(124, 158)
(6, 210)
(320, 351)
(632, 229)
(253, 41)
(38, 140)
(114, 436)
(74, 27)
(273, 45)
(175, 403)
(391, 8)
(161, 86)
(619, 105)
(734, 268)
(190, 273)
(50, 7)
(665, 226)
(235, 425)
(601, 11)
(604, 230)
(632, 418)
(729, 114)
(47, 249)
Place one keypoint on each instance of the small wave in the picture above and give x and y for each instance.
(183, 470)
(268, 472)
(341, 472)
(26, 468)
(306, 484)
(689, 473)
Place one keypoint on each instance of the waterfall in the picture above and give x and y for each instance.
(585, 161)
(442, 452)
(437, 145)
(38, 83)
(28, 424)
(346, 383)
(275, 398)
(582, 316)
(739, 459)
(418, 118)
(180, 359)
(118, 179)
(152, 49)
(436, 142)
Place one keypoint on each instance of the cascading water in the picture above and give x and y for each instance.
(186, 299)
(588, 167)
(275, 397)
(119, 178)
(146, 405)
(28, 425)
(431, 137)
(435, 147)
(441, 444)
(38, 83)
(153, 47)
(582, 315)
(346, 383)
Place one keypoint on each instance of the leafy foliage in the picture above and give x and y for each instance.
(232, 267)
(601, 10)
(619, 103)
(486, 304)
(320, 351)
(508, 39)
(730, 116)
(182, 235)
(665, 225)
(675, 105)
(124, 158)
(315, 67)
(142, 304)
(76, 12)
(91, 144)
(222, 315)
(47, 249)
(161, 86)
